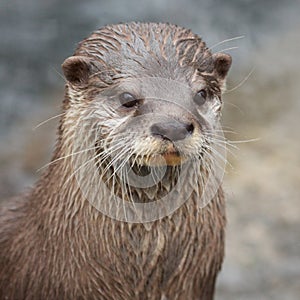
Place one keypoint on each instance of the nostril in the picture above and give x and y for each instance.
(190, 128)
(156, 130)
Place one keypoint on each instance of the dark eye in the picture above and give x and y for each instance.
(200, 97)
(128, 100)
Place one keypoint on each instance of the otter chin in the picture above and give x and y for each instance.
(131, 205)
(169, 159)
(168, 155)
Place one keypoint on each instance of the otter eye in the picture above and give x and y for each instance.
(128, 100)
(200, 97)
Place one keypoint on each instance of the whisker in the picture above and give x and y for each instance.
(64, 157)
(246, 141)
(224, 146)
(113, 161)
(79, 168)
(44, 122)
(226, 41)
(213, 160)
(235, 106)
(60, 75)
(122, 164)
(241, 83)
(228, 49)
(128, 191)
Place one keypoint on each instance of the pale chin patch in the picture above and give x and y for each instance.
(168, 159)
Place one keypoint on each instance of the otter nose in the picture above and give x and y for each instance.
(172, 130)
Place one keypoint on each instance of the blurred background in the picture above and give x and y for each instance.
(262, 102)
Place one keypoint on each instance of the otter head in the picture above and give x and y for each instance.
(144, 94)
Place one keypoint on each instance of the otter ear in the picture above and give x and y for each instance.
(77, 69)
(222, 63)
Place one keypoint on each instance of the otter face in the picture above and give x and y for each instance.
(154, 91)
(143, 102)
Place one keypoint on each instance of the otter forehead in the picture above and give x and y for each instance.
(148, 49)
(115, 53)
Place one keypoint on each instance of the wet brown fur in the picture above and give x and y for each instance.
(55, 245)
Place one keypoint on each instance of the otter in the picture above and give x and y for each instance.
(121, 210)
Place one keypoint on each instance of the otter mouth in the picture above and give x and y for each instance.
(168, 156)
